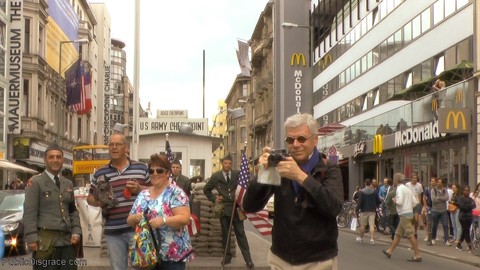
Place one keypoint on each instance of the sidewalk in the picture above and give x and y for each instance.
(257, 243)
(440, 249)
(262, 246)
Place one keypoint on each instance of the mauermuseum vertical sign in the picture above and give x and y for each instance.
(14, 65)
(293, 86)
(106, 106)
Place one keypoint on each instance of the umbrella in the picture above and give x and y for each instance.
(458, 73)
(415, 91)
(15, 167)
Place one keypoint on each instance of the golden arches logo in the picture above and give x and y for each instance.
(325, 61)
(377, 144)
(298, 59)
(456, 116)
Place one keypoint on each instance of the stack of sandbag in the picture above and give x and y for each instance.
(208, 243)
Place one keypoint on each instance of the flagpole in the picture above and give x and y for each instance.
(234, 212)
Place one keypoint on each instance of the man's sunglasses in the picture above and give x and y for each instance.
(300, 139)
(158, 170)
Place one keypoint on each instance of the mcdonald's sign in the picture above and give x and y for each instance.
(325, 61)
(378, 144)
(453, 120)
(298, 59)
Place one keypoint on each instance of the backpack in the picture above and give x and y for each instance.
(143, 252)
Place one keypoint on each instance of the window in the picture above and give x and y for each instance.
(40, 104)
(439, 65)
(449, 8)
(41, 43)
(437, 12)
(26, 37)
(416, 27)
(398, 40)
(25, 101)
(243, 134)
(407, 33)
(425, 20)
(245, 89)
(79, 128)
(408, 80)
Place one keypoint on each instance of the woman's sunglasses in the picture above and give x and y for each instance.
(158, 170)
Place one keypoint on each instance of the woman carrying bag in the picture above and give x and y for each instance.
(169, 213)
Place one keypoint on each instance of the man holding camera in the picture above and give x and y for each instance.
(307, 201)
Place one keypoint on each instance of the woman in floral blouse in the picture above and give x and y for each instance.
(168, 213)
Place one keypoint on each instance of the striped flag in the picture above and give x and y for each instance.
(259, 219)
(242, 179)
(86, 91)
(73, 78)
(168, 151)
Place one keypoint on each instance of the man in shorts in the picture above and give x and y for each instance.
(404, 201)
(417, 190)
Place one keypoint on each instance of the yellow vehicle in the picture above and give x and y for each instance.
(86, 160)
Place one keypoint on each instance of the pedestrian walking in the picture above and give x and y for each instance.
(405, 200)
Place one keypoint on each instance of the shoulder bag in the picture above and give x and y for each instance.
(143, 252)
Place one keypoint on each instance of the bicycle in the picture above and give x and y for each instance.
(347, 214)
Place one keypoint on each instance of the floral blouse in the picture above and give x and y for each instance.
(175, 244)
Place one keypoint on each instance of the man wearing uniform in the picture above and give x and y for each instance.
(225, 182)
(52, 222)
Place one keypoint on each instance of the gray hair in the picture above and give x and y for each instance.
(399, 178)
(299, 119)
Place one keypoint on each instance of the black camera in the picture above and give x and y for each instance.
(276, 156)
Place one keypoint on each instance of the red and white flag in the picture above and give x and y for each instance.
(259, 219)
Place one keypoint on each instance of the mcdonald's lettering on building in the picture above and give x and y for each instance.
(454, 120)
(377, 144)
(298, 59)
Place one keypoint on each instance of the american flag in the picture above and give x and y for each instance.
(168, 151)
(86, 93)
(78, 83)
(73, 78)
(259, 219)
(242, 180)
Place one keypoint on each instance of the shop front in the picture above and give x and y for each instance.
(431, 138)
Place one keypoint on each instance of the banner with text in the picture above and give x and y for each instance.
(165, 125)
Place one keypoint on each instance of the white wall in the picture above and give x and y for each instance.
(191, 147)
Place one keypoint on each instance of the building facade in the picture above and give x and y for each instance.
(376, 69)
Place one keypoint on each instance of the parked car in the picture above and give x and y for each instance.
(11, 220)
(270, 208)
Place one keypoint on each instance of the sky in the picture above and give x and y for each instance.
(173, 35)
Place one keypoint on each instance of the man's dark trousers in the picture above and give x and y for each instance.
(239, 230)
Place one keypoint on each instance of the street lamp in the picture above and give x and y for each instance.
(59, 103)
(287, 25)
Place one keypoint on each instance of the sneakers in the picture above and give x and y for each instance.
(459, 247)
(434, 242)
(447, 243)
(372, 242)
(359, 239)
(425, 239)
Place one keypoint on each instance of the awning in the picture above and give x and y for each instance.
(329, 128)
(15, 167)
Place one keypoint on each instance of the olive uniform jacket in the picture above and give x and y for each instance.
(227, 190)
(48, 207)
(184, 183)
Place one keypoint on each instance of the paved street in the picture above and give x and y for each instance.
(352, 255)
(365, 256)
